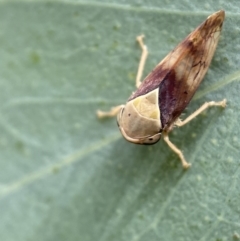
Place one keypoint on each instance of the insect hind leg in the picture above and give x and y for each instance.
(205, 106)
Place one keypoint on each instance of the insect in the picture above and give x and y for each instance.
(154, 108)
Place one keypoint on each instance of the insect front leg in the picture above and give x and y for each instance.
(185, 164)
(206, 105)
(112, 113)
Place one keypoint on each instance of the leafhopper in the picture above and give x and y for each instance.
(153, 110)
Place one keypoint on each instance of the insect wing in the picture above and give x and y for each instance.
(179, 74)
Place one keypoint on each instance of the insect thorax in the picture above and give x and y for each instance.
(139, 121)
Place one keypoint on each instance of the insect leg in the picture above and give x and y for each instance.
(185, 164)
(113, 112)
(142, 60)
(200, 110)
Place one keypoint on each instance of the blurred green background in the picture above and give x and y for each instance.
(64, 174)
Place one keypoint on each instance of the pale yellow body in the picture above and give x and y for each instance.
(139, 120)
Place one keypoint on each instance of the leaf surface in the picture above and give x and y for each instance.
(64, 174)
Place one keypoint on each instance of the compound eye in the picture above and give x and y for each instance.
(152, 139)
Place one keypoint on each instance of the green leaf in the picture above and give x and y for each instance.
(64, 174)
